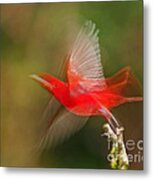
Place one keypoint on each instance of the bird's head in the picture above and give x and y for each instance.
(47, 81)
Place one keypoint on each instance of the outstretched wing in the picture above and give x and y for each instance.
(62, 125)
(85, 72)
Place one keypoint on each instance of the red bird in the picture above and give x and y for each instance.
(86, 91)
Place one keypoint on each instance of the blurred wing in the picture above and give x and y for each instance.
(52, 109)
(85, 70)
(63, 125)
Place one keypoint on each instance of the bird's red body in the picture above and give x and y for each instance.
(88, 103)
(86, 91)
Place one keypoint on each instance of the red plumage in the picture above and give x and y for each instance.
(87, 92)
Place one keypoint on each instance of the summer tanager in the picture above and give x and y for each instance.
(86, 91)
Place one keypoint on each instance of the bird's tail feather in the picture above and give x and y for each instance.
(125, 84)
(134, 99)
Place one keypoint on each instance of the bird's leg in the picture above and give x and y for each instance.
(112, 121)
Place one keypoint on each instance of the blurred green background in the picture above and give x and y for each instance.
(36, 38)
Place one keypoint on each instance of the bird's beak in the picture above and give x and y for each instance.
(42, 80)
